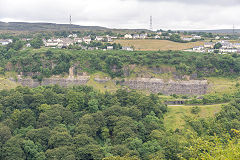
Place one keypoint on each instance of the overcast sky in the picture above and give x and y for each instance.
(167, 14)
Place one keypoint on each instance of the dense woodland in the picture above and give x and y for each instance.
(80, 123)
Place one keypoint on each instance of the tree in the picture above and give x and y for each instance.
(195, 110)
(64, 152)
(36, 42)
(33, 151)
(39, 136)
(12, 149)
(217, 46)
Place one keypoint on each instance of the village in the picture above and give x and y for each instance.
(217, 44)
(221, 47)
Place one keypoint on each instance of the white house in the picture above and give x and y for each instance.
(128, 36)
(5, 41)
(186, 39)
(87, 40)
(136, 36)
(72, 36)
(28, 45)
(197, 37)
(78, 40)
(210, 50)
(127, 48)
(142, 36)
(109, 39)
(217, 37)
(99, 38)
(228, 50)
(198, 49)
(236, 45)
(51, 42)
(157, 37)
(109, 47)
(226, 44)
(208, 45)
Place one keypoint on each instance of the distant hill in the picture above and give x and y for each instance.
(24, 26)
(220, 31)
(35, 27)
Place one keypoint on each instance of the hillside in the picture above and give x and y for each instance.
(24, 26)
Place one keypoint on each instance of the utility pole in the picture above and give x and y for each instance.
(70, 24)
(151, 25)
(233, 30)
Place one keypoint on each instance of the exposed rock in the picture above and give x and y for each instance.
(154, 85)
(51, 81)
(102, 80)
(192, 87)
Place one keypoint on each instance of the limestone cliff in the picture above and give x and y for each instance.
(154, 85)
(80, 80)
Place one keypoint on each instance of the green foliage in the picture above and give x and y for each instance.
(45, 63)
(36, 42)
(217, 46)
(52, 122)
(195, 110)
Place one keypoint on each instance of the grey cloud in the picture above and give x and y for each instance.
(201, 2)
(167, 14)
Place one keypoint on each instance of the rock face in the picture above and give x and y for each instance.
(51, 81)
(102, 80)
(154, 85)
(192, 87)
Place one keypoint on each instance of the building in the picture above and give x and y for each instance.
(136, 36)
(109, 39)
(51, 42)
(128, 36)
(143, 36)
(226, 44)
(127, 48)
(28, 45)
(99, 38)
(109, 47)
(87, 40)
(5, 41)
(236, 45)
(210, 50)
(228, 50)
(198, 49)
(157, 37)
(197, 37)
(59, 42)
(72, 36)
(186, 39)
(78, 40)
(209, 45)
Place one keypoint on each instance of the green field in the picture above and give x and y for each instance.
(175, 117)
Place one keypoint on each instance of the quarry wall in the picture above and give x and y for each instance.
(154, 85)
(51, 81)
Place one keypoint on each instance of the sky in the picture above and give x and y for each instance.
(133, 14)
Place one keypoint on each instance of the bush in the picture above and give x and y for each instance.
(195, 110)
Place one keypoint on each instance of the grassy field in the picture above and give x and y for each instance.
(7, 84)
(222, 85)
(102, 87)
(154, 45)
(175, 117)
